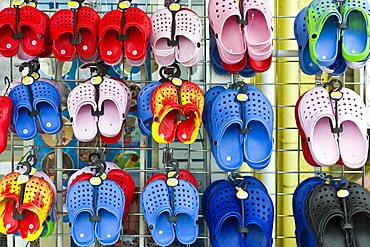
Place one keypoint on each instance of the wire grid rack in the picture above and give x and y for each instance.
(282, 84)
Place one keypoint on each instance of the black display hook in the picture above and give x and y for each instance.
(335, 95)
(172, 72)
(29, 164)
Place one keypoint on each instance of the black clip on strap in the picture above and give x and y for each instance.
(174, 11)
(243, 88)
(244, 19)
(34, 111)
(96, 112)
(340, 25)
(123, 5)
(238, 181)
(100, 167)
(17, 35)
(16, 215)
(95, 217)
(102, 69)
(77, 40)
(29, 167)
(335, 95)
(172, 165)
(175, 72)
(33, 67)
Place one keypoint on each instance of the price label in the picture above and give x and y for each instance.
(241, 194)
(171, 175)
(342, 193)
(172, 182)
(242, 97)
(18, 3)
(103, 176)
(177, 82)
(96, 80)
(33, 171)
(95, 181)
(28, 80)
(174, 7)
(22, 179)
(124, 5)
(73, 5)
(336, 95)
(35, 75)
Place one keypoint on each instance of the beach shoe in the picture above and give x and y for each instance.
(304, 236)
(156, 209)
(223, 214)
(61, 33)
(9, 200)
(87, 28)
(186, 207)
(145, 118)
(9, 46)
(81, 105)
(49, 225)
(127, 183)
(259, 217)
(47, 102)
(165, 108)
(353, 140)
(110, 207)
(325, 216)
(33, 23)
(114, 101)
(322, 19)
(258, 31)
(192, 101)
(189, 34)
(111, 50)
(223, 17)
(5, 117)
(259, 120)
(37, 203)
(161, 32)
(358, 212)
(301, 35)
(225, 119)
(80, 207)
(356, 37)
(23, 122)
(315, 118)
(137, 28)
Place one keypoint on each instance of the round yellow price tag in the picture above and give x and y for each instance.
(95, 181)
(242, 97)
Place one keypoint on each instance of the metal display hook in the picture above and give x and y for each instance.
(101, 69)
(173, 73)
(7, 84)
(335, 94)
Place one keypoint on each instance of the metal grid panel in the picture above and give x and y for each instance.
(282, 84)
